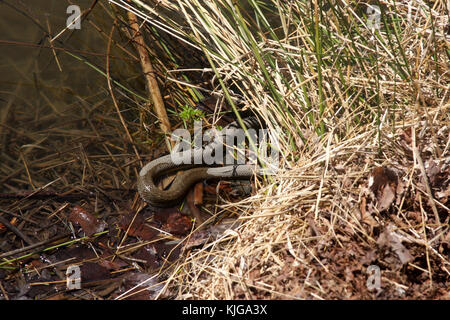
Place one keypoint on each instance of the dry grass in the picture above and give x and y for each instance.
(304, 234)
(304, 237)
(342, 101)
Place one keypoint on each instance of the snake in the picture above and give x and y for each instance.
(193, 173)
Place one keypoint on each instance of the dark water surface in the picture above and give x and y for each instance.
(57, 100)
(32, 73)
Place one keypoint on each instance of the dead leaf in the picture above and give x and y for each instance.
(148, 253)
(192, 203)
(168, 251)
(138, 228)
(211, 233)
(381, 176)
(433, 171)
(157, 254)
(162, 214)
(401, 186)
(385, 198)
(390, 239)
(72, 254)
(406, 134)
(141, 286)
(362, 206)
(383, 183)
(366, 215)
(447, 238)
(88, 222)
(414, 216)
(198, 194)
(115, 264)
(341, 168)
(197, 238)
(91, 272)
(443, 195)
(369, 257)
(178, 224)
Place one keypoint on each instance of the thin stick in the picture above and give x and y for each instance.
(424, 175)
(32, 246)
(425, 240)
(5, 294)
(51, 45)
(114, 99)
(16, 231)
(149, 72)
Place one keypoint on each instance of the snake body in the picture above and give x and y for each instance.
(193, 173)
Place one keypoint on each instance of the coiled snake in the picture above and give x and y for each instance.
(149, 174)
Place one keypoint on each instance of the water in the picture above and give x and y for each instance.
(32, 73)
(52, 101)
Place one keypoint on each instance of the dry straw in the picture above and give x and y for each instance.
(341, 95)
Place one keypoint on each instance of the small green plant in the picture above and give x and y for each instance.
(190, 114)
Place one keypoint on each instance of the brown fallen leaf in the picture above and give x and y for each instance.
(198, 194)
(211, 233)
(383, 183)
(115, 264)
(162, 214)
(178, 224)
(138, 228)
(141, 286)
(406, 134)
(197, 238)
(156, 255)
(168, 251)
(400, 191)
(366, 216)
(446, 238)
(362, 206)
(192, 203)
(73, 254)
(88, 222)
(148, 253)
(433, 171)
(91, 272)
(390, 239)
(443, 195)
(385, 198)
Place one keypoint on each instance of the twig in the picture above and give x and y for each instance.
(51, 45)
(5, 294)
(19, 233)
(45, 195)
(81, 17)
(149, 73)
(18, 216)
(424, 175)
(114, 99)
(425, 240)
(35, 245)
(84, 52)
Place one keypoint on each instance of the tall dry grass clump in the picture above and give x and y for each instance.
(347, 87)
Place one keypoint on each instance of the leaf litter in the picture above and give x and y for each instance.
(312, 233)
